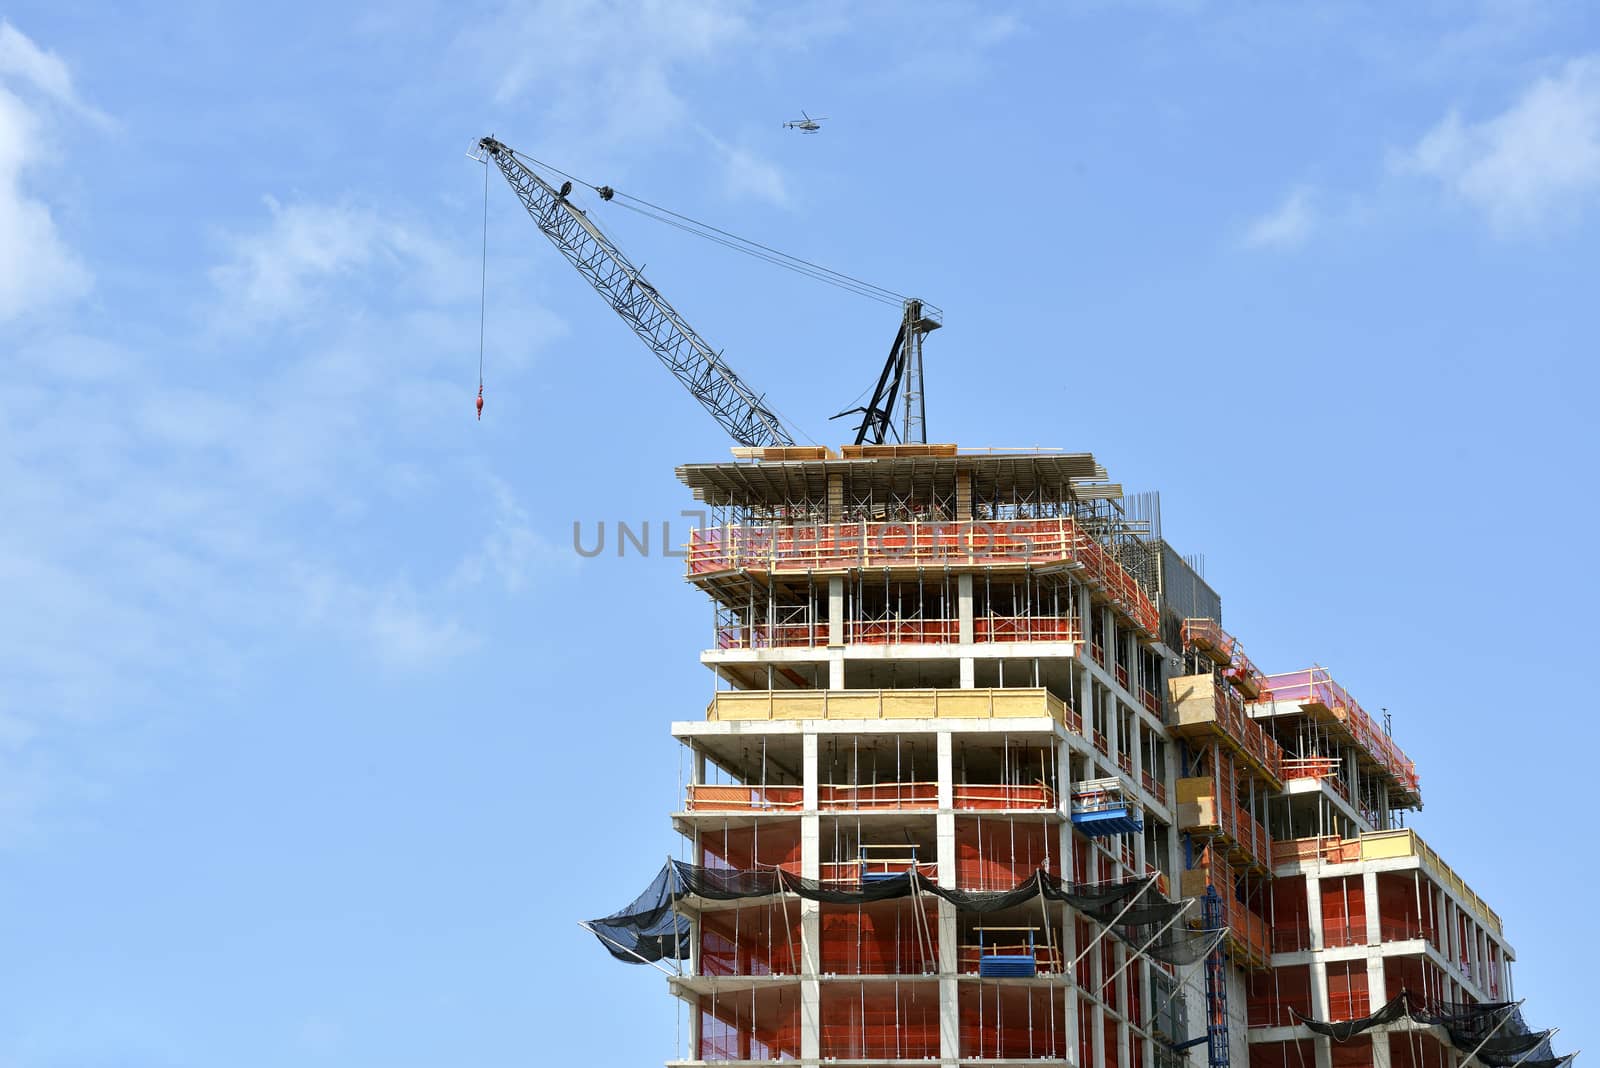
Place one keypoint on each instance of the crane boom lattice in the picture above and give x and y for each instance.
(736, 408)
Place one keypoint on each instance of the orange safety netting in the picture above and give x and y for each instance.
(880, 1021)
(1416, 1049)
(824, 546)
(1347, 990)
(1259, 749)
(742, 848)
(1344, 913)
(880, 938)
(1249, 933)
(1247, 840)
(703, 798)
(1314, 689)
(895, 631)
(1299, 1054)
(1273, 997)
(752, 940)
(759, 1024)
(1208, 636)
(1004, 1021)
(995, 854)
(1027, 629)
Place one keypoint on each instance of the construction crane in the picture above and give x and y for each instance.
(902, 371)
(691, 359)
(738, 409)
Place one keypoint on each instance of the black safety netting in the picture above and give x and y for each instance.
(1493, 1032)
(1496, 1030)
(650, 929)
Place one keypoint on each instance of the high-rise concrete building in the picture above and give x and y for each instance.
(986, 781)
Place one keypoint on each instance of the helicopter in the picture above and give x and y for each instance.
(806, 124)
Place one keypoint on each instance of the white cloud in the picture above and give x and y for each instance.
(177, 520)
(746, 175)
(25, 61)
(1287, 225)
(1537, 160)
(281, 269)
(37, 269)
(511, 551)
(612, 74)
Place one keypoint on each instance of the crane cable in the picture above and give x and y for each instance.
(729, 240)
(483, 286)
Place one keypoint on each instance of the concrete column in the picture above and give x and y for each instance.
(1369, 894)
(1113, 729)
(969, 678)
(810, 911)
(1136, 748)
(965, 629)
(1377, 988)
(945, 838)
(835, 611)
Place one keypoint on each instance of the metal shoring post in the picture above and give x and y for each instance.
(1132, 900)
(1137, 953)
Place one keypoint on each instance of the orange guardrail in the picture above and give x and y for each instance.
(1153, 786)
(832, 546)
(771, 635)
(1003, 796)
(1330, 850)
(1249, 837)
(881, 795)
(704, 798)
(1229, 716)
(897, 631)
(1027, 629)
(1208, 636)
(1314, 688)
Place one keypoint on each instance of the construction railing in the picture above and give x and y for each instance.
(1200, 705)
(1018, 703)
(972, 797)
(1249, 934)
(1224, 649)
(1154, 786)
(1340, 934)
(1217, 813)
(851, 874)
(879, 796)
(771, 635)
(1046, 958)
(798, 548)
(704, 798)
(1027, 629)
(1386, 845)
(901, 631)
(1328, 850)
(1314, 690)
(1379, 845)
(1324, 768)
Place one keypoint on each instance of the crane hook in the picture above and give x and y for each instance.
(480, 402)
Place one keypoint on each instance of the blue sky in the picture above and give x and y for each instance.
(316, 737)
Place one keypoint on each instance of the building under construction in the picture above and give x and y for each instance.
(985, 780)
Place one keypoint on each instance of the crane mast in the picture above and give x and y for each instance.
(736, 408)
